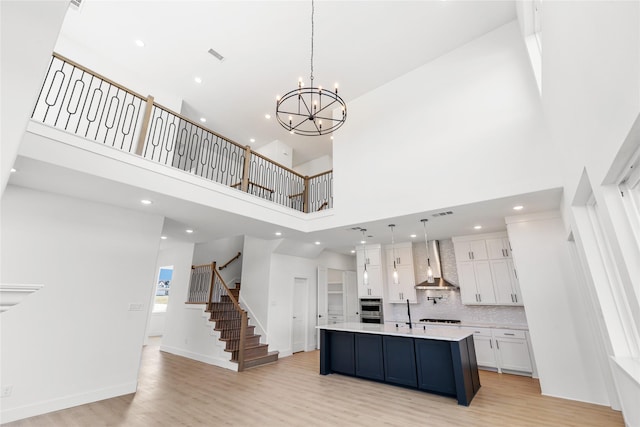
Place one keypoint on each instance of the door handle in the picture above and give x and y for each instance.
(497, 345)
(319, 315)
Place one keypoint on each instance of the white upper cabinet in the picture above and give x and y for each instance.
(486, 271)
(372, 255)
(405, 290)
(470, 250)
(498, 248)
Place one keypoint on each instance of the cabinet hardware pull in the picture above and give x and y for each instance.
(509, 334)
(480, 297)
(476, 332)
(469, 253)
(497, 345)
(512, 298)
(516, 297)
(490, 344)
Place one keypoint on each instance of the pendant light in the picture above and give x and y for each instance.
(393, 249)
(426, 244)
(365, 274)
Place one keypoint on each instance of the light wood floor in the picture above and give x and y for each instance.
(174, 391)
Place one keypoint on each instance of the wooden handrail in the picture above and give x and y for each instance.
(222, 267)
(322, 206)
(98, 75)
(297, 195)
(239, 184)
(321, 173)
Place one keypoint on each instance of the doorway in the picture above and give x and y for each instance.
(299, 314)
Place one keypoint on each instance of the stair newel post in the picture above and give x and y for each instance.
(144, 129)
(212, 284)
(305, 195)
(246, 170)
(243, 333)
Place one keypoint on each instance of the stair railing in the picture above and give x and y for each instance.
(226, 264)
(219, 289)
(79, 101)
(208, 287)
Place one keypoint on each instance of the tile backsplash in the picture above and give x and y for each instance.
(450, 306)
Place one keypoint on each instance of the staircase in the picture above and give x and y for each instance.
(228, 321)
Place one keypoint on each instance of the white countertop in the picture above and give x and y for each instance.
(465, 324)
(429, 331)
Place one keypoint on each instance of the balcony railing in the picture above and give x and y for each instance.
(79, 101)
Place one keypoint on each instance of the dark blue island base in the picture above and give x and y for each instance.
(431, 365)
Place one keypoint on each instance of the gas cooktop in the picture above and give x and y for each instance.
(440, 320)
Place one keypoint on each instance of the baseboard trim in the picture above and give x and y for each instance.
(216, 361)
(39, 408)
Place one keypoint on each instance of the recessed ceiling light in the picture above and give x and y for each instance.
(477, 227)
(317, 243)
(146, 202)
(14, 170)
(189, 230)
(163, 237)
(413, 236)
(362, 242)
(331, 137)
(353, 251)
(278, 233)
(518, 208)
(139, 43)
(252, 140)
(203, 120)
(197, 80)
(267, 116)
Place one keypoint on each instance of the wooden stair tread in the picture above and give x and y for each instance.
(271, 357)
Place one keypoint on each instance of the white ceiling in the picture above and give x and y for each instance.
(360, 44)
(267, 45)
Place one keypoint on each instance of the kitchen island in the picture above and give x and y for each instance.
(431, 359)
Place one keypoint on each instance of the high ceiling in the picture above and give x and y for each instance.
(266, 45)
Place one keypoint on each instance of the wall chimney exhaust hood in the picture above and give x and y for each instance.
(439, 282)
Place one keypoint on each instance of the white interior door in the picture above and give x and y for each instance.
(299, 321)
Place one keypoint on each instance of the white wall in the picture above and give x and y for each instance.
(469, 125)
(221, 251)
(315, 166)
(566, 355)
(24, 65)
(75, 341)
(284, 270)
(254, 294)
(277, 151)
(591, 80)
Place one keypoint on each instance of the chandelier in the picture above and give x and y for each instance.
(309, 110)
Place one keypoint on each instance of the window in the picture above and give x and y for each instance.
(162, 289)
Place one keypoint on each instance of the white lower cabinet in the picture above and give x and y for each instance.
(504, 350)
(483, 342)
(512, 350)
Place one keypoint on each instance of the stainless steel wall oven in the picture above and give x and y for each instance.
(371, 310)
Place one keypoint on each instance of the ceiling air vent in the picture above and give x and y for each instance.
(445, 213)
(216, 54)
(76, 4)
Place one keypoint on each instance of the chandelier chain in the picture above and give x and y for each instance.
(312, 13)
